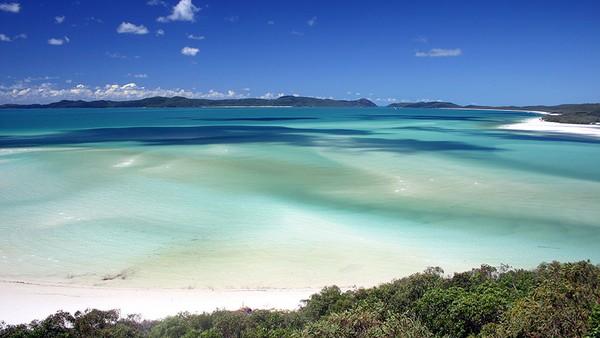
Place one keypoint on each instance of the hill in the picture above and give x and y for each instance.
(183, 102)
(430, 104)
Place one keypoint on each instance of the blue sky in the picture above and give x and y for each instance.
(482, 52)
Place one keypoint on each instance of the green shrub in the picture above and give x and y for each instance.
(554, 300)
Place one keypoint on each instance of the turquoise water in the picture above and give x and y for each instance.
(285, 197)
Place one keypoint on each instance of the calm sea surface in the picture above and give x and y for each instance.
(285, 197)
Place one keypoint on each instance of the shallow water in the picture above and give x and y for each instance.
(285, 197)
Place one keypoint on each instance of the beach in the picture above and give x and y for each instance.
(539, 125)
(24, 302)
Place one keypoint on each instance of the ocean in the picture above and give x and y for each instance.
(239, 198)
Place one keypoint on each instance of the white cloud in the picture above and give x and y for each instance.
(139, 76)
(439, 52)
(312, 21)
(270, 22)
(232, 18)
(196, 37)
(294, 32)
(94, 19)
(116, 55)
(189, 51)
(59, 19)
(12, 7)
(48, 92)
(421, 39)
(160, 32)
(156, 3)
(129, 28)
(30, 79)
(58, 41)
(183, 11)
(271, 96)
(6, 38)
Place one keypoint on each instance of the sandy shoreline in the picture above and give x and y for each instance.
(24, 302)
(511, 110)
(537, 124)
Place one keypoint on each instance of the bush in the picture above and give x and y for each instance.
(554, 300)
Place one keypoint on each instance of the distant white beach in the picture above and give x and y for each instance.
(537, 124)
(493, 109)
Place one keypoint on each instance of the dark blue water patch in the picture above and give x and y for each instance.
(537, 136)
(371, 117)
(430, 129)
(413, 145)
(258, 119)
(543, 137)
(178, 135)
(223, 134)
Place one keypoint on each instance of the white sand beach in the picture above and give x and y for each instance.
(24, 302)
(537, 124)
(497, 109)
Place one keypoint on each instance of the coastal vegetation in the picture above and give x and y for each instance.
(553, 300)
(584, 112)
(575, 118)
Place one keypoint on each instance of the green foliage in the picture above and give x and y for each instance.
(559, 305)
(554, 300)
(594, 323)
(90, 323)
(329, 300)
(365, 321)
(575, 117)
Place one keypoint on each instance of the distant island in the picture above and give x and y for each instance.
(584, 113)
(183, 102)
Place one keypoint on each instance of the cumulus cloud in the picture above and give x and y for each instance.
(11, 7)
(189, 51)
(271, 96)
(59, 19)
(49, 92)
(312, 21)
(58, 41)
(6, 38)
(160, 32)
(129, 28)
(139, 76)
(183, 11)
(195, 37)
(440, 52)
